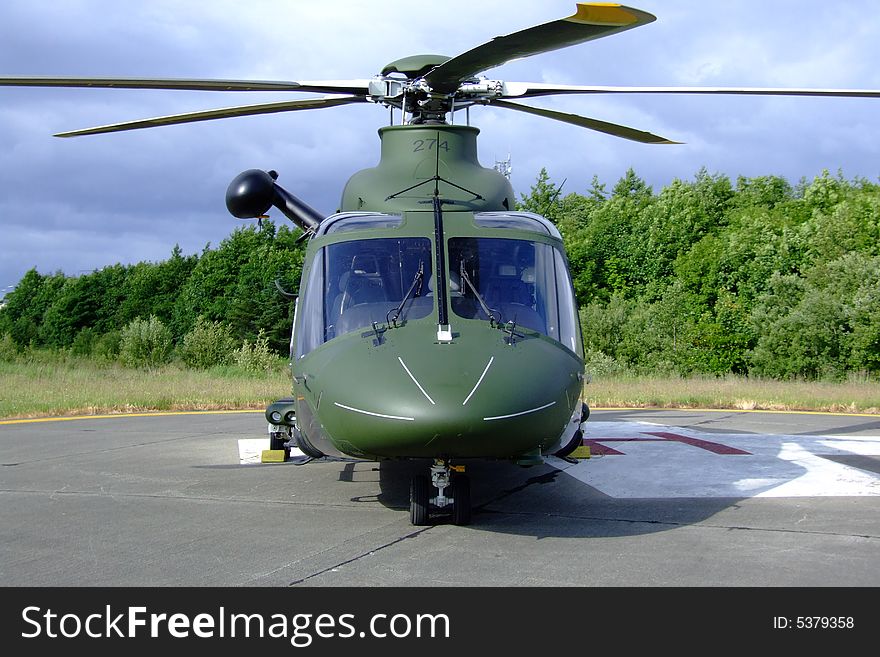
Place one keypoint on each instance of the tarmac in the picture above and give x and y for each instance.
(668, 498)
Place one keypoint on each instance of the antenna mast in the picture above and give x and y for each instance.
(504, 167)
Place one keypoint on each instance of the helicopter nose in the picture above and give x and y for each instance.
(488, 399)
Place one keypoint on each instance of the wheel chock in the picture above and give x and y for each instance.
(273, 456)
(580, 452)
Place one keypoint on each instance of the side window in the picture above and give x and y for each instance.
(311, 328)
(569, 324)
(293, 330)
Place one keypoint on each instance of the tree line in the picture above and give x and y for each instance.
(707, 276)
(757, 277)
(200, 307)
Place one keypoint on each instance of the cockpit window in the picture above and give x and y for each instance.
(353, 284)
(518, 220)
(345, 223)
(520, 281)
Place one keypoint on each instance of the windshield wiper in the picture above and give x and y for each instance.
(486, 309)
(417, 281)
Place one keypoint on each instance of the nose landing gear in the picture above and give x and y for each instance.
(453, 490)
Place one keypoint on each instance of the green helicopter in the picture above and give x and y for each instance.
(433, 320)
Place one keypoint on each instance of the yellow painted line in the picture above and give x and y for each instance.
(592, 408)
(121, 415)
(731, 410)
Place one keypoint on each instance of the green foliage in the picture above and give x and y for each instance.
(599, 364)
(602, 324)
(26, 305)
(153, 288)
(256, 357)
(703, 277)
(236, 284)
(8, 349)
(207, 344)
(145, 343)
(106, 347)
(823, 324)
(543, 198)
(84, 342)
(233, 284)
(763, 191)
(88, 301)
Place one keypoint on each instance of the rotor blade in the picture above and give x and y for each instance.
(590, 21)
(320, 86)
(225, 113)
(584, 122)
(535, 89)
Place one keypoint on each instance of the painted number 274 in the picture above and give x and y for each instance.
(429, 144)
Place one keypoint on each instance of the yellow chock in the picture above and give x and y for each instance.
(581, 452)
(273, 456)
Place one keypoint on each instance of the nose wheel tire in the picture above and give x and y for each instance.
(419, 494)
(453, 495)
(574, 442)
(461, 500)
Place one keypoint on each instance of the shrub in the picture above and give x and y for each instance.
(8, 349)
(84, 342)
(145, 343)
(106, 347)
(599, 364)
(256, 357)
(208, 344)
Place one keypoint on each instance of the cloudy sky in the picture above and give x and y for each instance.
(78, 204)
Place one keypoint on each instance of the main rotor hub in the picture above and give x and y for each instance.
(400, 87)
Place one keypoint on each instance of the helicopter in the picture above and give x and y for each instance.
(434, 320)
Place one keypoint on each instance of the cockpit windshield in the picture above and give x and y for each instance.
(516, 283)
(520, 282)
(353, 284)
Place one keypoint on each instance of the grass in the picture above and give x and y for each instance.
(83, 387)
(65, 385)
(857, 395)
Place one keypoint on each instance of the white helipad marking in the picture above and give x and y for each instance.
(250, 450)
(820, 473)
(650, 464)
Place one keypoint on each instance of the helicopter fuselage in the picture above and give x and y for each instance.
(433, 320)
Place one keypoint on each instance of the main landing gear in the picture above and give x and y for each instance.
(453, 490)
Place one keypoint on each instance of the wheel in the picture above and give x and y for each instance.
(461, 500)
(276, 440)
(576, 441)
(419, 492)
(304, 445)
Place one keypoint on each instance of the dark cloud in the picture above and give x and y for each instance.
(79, 204)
